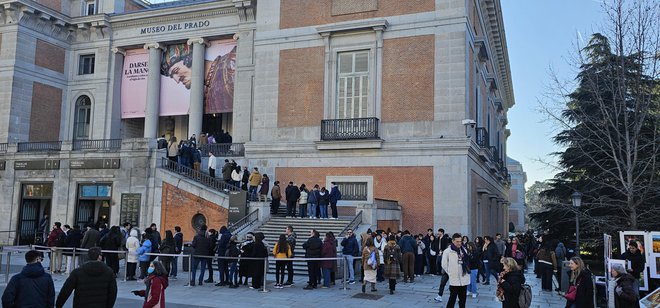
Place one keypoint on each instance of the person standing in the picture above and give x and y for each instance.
(226, 172)
(292, 194)
(132, 245)
(201, 247)
(456, 262)
(302, 201)
(223, 243)
(291, 239)
(142, 253)
(263, 190)
(547, 265)
(178, 249)
(510, 283)
(313, 202)
(233, 252)
(380, 244)
(313, 250)
(167, 247)
(419, 255)
(172, 149)
(236, 176)
(636, 258)
(112, 241)
(212, 164)
(282, 250)
(581, 281)
(328, 250)
(350, 248)
(275, 195)
(259, 250)
(246, 179)
(73, 239)
(500, 244)
(94, 284)
(196, 158)
(491, 258)
(56, 239)
(255, 180)
(43, 229)
(370, 263)
(625, 294)
(156, 283)
(335, 195)
(212, 235)
(392, 256)
(408, 249)
(474, 269)
(32, 287)
(324, 199)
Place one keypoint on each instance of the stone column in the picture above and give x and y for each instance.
(113, 109)
(196, 113)
(152, 110)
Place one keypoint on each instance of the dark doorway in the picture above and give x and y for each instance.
(93, 206)
(35, 202)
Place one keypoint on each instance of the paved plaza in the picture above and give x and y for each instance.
(418, 294)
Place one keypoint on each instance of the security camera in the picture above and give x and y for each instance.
(469, 122)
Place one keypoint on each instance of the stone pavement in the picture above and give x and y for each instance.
(418, 294)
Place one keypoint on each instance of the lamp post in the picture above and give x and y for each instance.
(577, 200)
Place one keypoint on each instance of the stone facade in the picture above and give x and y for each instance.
(518, 207)
(423, 68)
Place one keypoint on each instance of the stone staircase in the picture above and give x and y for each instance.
(277, 225)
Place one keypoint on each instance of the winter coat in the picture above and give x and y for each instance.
(625, 295)
(178, 242)
(560, 252)
(132, 245)
(73, 238)
(585, 290)
(167, 247)
(408, 244)
(547, 257)
(303, 197)
(292, 193)
(236, 176)
(281, 255)
(492, 255)
(381, 247)
(366, 254)
(255, 178)
(201, 244)
(265, 185)
(32, 287)
(172, 149)
(155, 293)
(328, 250)
(143, 250)
(95, 286)
(455, 271)
(275, 193)
(90, 239)
(313, 196)
(350, 246)
(112, 241)
(223, 241)
(291, 239)
(53, 236)
(324, 198)
(392, 256)
(637, 262)
(512, 285)
(226, 171)
(313, 247)
(245, 265)
(335, 195)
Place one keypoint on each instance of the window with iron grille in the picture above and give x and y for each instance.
(353, 191)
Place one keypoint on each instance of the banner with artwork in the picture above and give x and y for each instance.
(134, 83)
(176, 78)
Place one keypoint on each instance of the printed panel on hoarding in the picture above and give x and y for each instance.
(134, 83)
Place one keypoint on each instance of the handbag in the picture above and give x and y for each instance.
(433, 253)
(571, 294)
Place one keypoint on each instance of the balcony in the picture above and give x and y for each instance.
(482, 137)
(3, 147)
(97, 144)
(223, 149)
(41, 146)
(350, 129)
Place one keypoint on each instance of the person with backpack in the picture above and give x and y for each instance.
(32, 287)
(510, 284)
(370, 263)
(392, 256)
(56, 239)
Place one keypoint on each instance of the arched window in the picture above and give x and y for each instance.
(83, 118)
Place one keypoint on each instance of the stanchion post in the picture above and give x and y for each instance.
(73, 261)
(265, 273)
(126, 267)
(343, 260)
(7, 268)
(190, 268)
(0, 260)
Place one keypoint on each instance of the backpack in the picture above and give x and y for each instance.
(372, 260)
(525, 297)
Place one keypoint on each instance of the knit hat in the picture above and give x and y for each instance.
(619, 269)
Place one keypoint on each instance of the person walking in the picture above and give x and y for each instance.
(201, 245)
(335, 196)
(408, 249)
(491, 259)
(276, 196)
(625, 293)
(282, 250)
(581, 288)
(392, 268)
(156, 283)
(370, 263)
(350, 248)
(328, 250)
(291, 239)
(32, 287)
(94, 284)
(313, 250)
(510, 283)
(547, 265)
(455, 261)
(132, 245)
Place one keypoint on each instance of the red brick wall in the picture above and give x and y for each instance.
(303, 13)
(179, 206)
(49, 56)
(53, 4)
(300, 99)
(412, 187)
(408, 79)
(45, 112)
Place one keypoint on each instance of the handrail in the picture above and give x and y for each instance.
(350, 129)
(248, 220)
(39, 146)
(197, 176)
(223, 149)
(97, 144)
(354, 222)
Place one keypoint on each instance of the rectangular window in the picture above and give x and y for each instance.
(352, 84)
(353, 191)
(86, 65)
(89, 8)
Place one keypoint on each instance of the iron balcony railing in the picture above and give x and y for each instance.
(197, 176)
(97, 144)
(3, 147)
(244, 222)
(40, 146)
(223, 149)
(350, 129)
(482, 137)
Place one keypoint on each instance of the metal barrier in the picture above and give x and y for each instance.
(244, 222)
(73, 255)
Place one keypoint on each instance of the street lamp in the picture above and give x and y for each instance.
(577, 200)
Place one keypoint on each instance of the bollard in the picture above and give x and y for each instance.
(344, 271)
(7, 268)
(265, 273)
(73, 262)
(190, 268)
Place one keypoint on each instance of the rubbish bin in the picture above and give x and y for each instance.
(187, 250)
(564, 276)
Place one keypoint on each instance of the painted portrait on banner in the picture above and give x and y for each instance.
(134, 83)
(176, 78)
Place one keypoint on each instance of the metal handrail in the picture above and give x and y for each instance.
(198, 176)
(39, 146)
(223, 149)
(350, 129)
(354, 223)
(97, 144)
(244, 222)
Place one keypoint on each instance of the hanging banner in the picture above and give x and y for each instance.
(219, 78)
(134, 83)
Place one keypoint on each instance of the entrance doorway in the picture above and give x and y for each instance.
(219, 125)
(93, 204)
(35, 203)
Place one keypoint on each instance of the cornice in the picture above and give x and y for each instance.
(120, 21)
(497, 39)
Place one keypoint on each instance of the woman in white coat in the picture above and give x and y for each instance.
(132, 245)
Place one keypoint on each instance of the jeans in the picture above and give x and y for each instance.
(491, 271)
(233, 273)
(324, 210)
(474, 274)
(326, 277)
(303, 210)
(312, 209)
(195, 264)
(175, 267)
(349, 267)
(252, 193)
(443, 282)
(457, 291)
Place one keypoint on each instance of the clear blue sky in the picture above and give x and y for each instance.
(541, 35)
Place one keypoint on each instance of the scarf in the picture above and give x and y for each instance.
(463, 258)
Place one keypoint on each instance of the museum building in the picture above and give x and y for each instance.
(401, 103)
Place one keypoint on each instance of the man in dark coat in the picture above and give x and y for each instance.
(94, 284)
(636, 258)
(202, 247)
(226, 171)
(91, 238)
(221, 248)
(335, 195)
(292, 194)
(32, 287)
(313, 250)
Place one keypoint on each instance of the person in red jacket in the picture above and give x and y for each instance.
(56, 238)
(156, 283)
